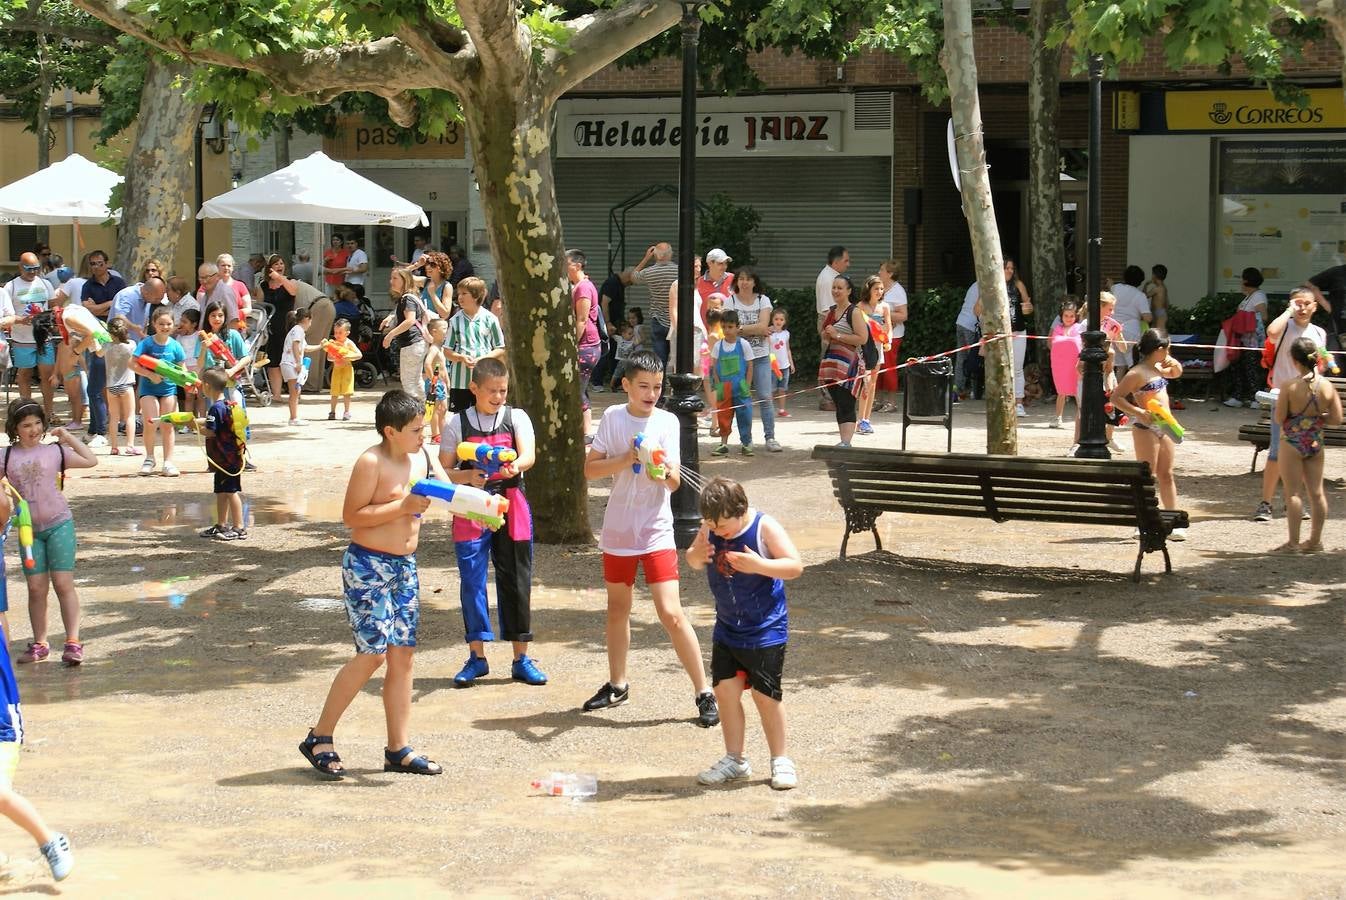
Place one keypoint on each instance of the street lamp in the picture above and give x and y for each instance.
(686, 402)
(1093, 436)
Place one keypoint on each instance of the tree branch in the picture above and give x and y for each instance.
(386, 67)
(599, 38)
(36, 25)
(494, 26)
(446, 50)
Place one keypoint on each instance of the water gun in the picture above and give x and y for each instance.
(1114, 416)
(878, 334)
(177, 418)
(81, 320)
(168, 372)
(651, 456)
(1267, 399)
(217, 348)
(303, 372)
(1328, 362)
(33, 310)
(335, 352)
(24, 515)
(465, 501)
(1164, 420)
(775, 367)
(488, 458)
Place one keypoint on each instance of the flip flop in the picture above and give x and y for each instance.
(397, 761)
(323, 762)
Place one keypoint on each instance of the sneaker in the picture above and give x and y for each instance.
(607, 696)
(1263, 513)
(248, 466)
(345, 417)
(170, 470)
(1020, 411)
(436, 439)
(525, 670)
(1178, 534)
(1234, 403)
(1055, 423)
(474, 668)
(37, 651)
(225, 533)
(773, 446)
(182, 429)
(746, 450)
(707, 710)
(722, 450)
(297, 423)
(59, 856)
(844, 445)
(783, 413)
(726, 770)
(240, 534)
(1115, 447)
(214, 530)
(783, 775)
(73, 653)
(864, 427)
(97, 441)
(147, 467)
(331, 416)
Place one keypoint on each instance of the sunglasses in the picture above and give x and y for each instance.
(31, 268)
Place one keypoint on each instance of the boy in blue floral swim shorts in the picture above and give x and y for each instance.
(378, 572)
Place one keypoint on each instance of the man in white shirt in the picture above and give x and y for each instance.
(357, 266)
(1133, 307)
(30, 289)
(1287, 328)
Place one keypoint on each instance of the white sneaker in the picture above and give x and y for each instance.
(1178, 534)
(170, 470)
(1055, 423)
(773, 446)
(97, 441)
(297, 423)
(1020, 411)
(1114, 447)
(147, 467)
(1234, 403)
(726, 770)
(783, 775)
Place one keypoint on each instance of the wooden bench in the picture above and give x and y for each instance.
(1259, 434)
(1198, 364)
(870, 482)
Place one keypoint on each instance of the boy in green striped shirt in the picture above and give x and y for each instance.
(474, 333)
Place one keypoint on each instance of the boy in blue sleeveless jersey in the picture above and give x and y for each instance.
(747, 556)
(54, 846)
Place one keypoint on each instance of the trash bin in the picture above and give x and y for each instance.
(928, 398)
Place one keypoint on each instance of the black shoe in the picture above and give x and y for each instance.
(609, 696)
(708, 711)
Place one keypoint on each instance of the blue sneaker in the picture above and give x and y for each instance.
(864, 427)
(474, 668)
(525, 670)
(59, 856)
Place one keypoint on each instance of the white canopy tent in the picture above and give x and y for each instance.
(71, 191)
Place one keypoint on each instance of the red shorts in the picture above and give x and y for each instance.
(887, 378)
(660, 565)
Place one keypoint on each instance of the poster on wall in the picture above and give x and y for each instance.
(1282, 209)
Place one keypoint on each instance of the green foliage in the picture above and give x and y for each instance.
(1203, 318)
(69, 62)
(914, 32)
(930, 321)
(120, 88)
(729, 226)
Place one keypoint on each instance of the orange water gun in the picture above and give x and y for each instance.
(219, 349)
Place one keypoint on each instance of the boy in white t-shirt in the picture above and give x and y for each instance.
(638, 530)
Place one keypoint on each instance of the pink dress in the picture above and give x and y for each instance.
(1066, 346)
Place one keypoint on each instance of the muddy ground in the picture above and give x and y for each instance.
(978, 710)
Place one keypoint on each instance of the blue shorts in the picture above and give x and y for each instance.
(26, 356)
(1273, 452)
(783, 382)
(382, 599)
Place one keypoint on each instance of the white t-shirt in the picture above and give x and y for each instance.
(1285, 371)
(357, 257)
(780, 345)
(1131, 305)
(453, 431)
(896, 296)
(287, 354)
(21, 293)
(638, 518)
(823, 289)
(967, 318)
(74, 289)
(757, 312)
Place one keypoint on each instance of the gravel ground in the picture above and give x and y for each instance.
(980, 709)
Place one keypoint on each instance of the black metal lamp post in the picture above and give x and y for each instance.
(686, 402)
(1093, 436)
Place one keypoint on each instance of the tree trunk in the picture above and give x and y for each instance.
(511, 150)
(1047, 248)
(960, 67)
(159, 167)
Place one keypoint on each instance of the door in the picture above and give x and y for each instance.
(446, 229)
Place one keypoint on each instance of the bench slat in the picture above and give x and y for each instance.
(1002, 487)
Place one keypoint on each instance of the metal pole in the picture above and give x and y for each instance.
(686, 402)
(1093, 435)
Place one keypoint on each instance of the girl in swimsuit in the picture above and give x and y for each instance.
(1304, 408)
(1148, 380)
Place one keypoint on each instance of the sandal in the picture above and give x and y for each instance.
(396, 761)
(325, 761)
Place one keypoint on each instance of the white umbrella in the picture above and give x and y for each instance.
(315, 189)
(68, 192)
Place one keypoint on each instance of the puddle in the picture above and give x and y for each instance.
(173, 594)
(260, 512)
(321, 604)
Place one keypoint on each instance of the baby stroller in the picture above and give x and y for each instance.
(252, 380)
(377, 360)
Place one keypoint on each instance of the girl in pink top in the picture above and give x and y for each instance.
(1066, 345)
(37, 471)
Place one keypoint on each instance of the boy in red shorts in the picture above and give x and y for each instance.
(638, 531)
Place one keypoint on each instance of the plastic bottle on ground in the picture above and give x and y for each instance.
(567, 784)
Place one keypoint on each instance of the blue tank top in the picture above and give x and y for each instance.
(11, 719)
(749, 609)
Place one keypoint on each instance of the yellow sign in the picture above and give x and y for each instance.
(358, 138)
(1126, 111)
(1252, 111)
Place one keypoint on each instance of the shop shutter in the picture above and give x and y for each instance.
(806, 204)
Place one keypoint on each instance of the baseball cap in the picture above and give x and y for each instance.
(717, 256)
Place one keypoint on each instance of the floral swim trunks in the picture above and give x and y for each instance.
(382, 599)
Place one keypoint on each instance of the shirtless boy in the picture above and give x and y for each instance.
(378, 572)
